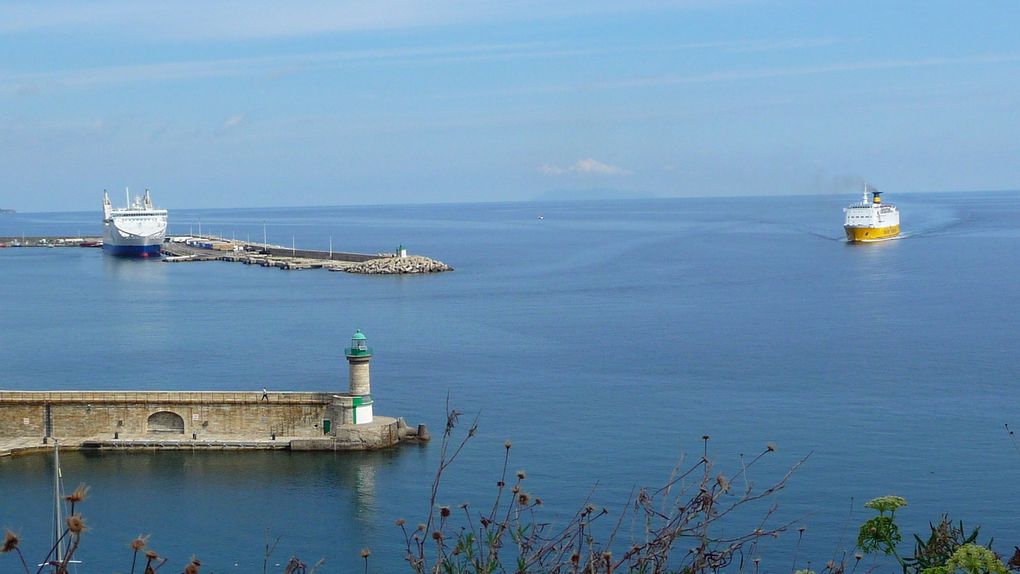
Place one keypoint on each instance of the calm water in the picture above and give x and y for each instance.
(604, 340)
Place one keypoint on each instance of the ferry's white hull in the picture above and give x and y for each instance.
(137, 230)
(141, 242)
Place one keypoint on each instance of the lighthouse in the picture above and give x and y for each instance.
(358, 357)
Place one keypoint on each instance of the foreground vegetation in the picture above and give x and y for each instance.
(677, 528)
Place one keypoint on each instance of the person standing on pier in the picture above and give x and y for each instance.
(265, 394)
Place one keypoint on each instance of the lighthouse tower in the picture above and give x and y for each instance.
(358, 357)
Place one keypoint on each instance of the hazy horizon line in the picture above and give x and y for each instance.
(538, 200)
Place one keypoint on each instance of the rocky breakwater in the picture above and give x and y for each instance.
(396, 266)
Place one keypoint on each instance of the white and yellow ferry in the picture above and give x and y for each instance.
(870, 219)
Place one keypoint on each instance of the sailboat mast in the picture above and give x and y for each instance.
(58, 519)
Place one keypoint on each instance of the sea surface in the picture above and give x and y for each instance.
(604, 339)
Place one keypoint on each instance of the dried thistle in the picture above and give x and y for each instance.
(11, 541)
(520, 475)
(523, 499)
(79, 494)
(365, 552)
(151, 554)
(76, 524)
(400, 522)
(437, 535)
(507, 444)
(444, 511)
(139, 542)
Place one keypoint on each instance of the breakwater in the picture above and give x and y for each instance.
(31, 420)
(51, 241)
(212, 248)
(216, 249)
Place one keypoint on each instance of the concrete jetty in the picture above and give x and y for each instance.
(182, 250)
(50, 241)
(202, 420)
(186, 249)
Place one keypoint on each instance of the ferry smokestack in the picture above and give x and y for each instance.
(876, 196)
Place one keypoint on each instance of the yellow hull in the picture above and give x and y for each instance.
(865, 234)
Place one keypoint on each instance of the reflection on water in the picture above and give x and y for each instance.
(215, 505)
(139, 271)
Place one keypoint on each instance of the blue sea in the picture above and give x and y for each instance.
(604, 339)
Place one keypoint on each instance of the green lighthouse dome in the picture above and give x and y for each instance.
(359, 345)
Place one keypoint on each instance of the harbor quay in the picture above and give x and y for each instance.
(51, 241)
(222, 420)
(181, 249)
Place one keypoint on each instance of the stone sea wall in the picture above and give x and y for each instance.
(112, 419)
(208, 414)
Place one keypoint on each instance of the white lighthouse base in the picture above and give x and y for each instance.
(352, 409)
(363, 414)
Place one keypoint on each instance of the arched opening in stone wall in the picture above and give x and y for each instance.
(165, 422)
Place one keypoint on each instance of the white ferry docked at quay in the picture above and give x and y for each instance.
(871, 220)
(137, 230)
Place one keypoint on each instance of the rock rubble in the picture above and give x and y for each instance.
(397, 265)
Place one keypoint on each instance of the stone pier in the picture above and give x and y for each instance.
(30, 420)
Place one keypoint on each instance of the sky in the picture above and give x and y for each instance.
(254, 103)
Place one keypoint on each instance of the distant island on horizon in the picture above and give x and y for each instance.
(7, 211)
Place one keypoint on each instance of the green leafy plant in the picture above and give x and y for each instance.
(948, 549)
(945, 539)
(881, 534)
(970, 559)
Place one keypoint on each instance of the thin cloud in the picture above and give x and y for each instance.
(233, 121)
(273, 67)
(744, 74)
(251, 19)
(276, 67)
(586, 166)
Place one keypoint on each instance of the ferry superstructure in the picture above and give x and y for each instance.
(133, 231)
(871, 220)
